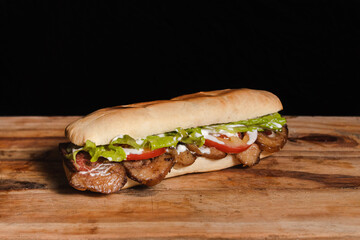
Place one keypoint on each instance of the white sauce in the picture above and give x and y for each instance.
(133, 151)
(115, 138)
(76, 149)
(206, 134)
(211, 135)
(198, 135)
(204, 150)
(235, 125)
(102, 170)
(223, 132)
(181, 148)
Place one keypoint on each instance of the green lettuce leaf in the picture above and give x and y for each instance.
(126, 140)
(191, 136)
(271, 121)
(155, 141)
(110, 151)
(150, 142)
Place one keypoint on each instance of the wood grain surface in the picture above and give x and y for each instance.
(309, 190)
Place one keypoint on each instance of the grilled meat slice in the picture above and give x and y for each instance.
(182, 156)
(271, 141)
(150, 171)
(208, 152)
(101, 176)
(250, 156)
(106, 178)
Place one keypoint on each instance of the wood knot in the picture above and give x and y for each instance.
(8, 184)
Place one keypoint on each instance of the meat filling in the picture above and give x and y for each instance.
(150, 171)
(208, 152)
(182, 155)
(101, 176)
(250, 156)
(271, 141)
(106, 177)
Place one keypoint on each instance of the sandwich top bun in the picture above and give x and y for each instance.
(143, 119)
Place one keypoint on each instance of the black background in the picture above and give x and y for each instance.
(73, 57)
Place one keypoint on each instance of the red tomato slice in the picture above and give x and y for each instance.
(231, 145)
(146, 154)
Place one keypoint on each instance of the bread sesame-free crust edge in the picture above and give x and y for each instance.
(143, 119)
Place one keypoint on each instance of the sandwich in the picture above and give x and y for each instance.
(144, 143)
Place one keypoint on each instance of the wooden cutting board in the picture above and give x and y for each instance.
(309, 190)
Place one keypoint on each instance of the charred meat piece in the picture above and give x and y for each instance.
(250, 156)
(182, 156)
(208, 152)
(271, 141)
(150, 171)
(108, 178)
(101, 176)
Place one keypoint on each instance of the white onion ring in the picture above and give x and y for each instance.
(252, 136)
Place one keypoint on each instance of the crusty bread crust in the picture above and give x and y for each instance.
(143, 119)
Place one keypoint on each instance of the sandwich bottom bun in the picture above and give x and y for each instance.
(200, 165)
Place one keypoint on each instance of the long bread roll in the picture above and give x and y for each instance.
(198, 109)
(158, 117)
